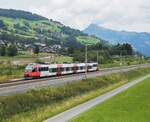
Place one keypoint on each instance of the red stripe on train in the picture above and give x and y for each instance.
(59, 66)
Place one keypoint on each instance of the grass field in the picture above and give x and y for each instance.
(87, 40)
(31, 29)
(128, 60)
(26, 57)
(32, 25)
(133, 105)
(9, 72)
(38, 105)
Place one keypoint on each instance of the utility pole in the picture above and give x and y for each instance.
(86, 68)
(54, 57)
(142, 59)
(120, 58)
(97, 56)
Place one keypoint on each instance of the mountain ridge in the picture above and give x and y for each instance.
(139, 40)
(20, 14)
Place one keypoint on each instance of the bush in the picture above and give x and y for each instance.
(12, 50)
(128, 63)
(36, 50)
(2, 50)
(2, 24)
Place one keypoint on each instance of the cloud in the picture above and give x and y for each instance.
(133, 15)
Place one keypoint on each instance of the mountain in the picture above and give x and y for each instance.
(27, 29)
(140, 41)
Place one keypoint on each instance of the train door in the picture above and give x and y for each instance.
(75, 69)
(59, 69)
(35, 72)
(89, 68)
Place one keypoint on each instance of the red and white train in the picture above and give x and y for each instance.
(45, 70)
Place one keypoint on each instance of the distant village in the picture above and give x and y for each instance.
(30, 47)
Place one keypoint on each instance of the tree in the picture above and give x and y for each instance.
(129, 49)
(72, 42)
(2, 24)
(12, 50)
(2, 50)
(70, 50)
(36, 50)
(26, 24)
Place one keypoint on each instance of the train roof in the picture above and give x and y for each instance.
(54, 65)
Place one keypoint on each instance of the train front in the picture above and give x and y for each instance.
(31, 71)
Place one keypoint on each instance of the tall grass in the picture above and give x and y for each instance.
(8, 72)
(34, 99)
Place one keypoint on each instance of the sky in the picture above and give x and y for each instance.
(129, 15)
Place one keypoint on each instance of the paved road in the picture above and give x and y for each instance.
(69, 114)
(5, 91)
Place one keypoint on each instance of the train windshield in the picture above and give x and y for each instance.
(28, 69)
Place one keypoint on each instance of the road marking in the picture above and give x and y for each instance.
(69, 114)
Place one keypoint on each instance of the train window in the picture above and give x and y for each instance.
(43, 69)
(81, 68)
(54, 69)
(68, 69)
(34, 70)
(28, 68)
(95, 65)
(50, 70)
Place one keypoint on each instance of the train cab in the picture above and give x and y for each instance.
(32, 71)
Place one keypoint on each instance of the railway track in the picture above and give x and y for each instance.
(27, 81)
(22, 85)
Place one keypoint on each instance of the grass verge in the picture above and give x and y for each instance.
(37, 105)
(9, 72)
(131, 105)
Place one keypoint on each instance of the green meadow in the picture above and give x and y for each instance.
(133, 105)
